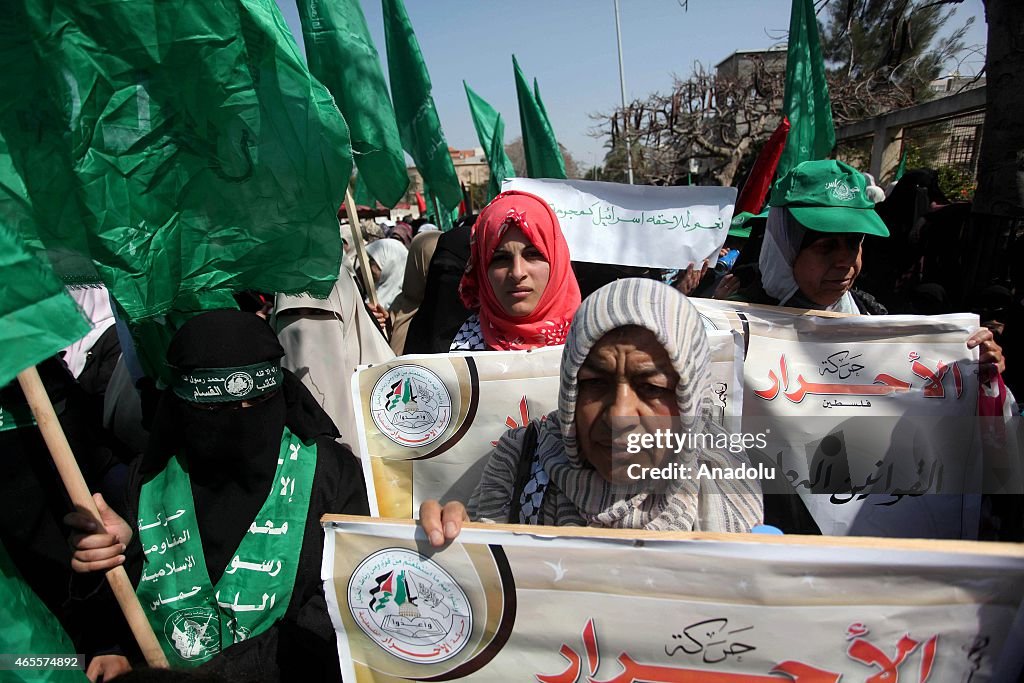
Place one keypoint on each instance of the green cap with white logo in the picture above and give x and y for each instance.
(828, 196)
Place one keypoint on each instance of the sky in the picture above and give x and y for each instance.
(570, 47)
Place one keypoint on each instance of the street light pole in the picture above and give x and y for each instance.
(622, 94)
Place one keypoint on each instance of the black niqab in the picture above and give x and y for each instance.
(229, 452)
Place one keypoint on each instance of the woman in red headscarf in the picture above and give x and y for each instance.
(518, 279)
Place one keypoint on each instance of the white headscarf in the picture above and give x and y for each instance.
(95, 303)
(782, 239)
(390, 255)
(324, 340)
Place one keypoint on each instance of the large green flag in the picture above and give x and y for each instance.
(418, 125)
(29, 629)
(543, 157)
(490, 130)
(806, 104)
(178, 150)
(342, 56)
(37, 317)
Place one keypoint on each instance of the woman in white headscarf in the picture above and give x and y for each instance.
(636, 353)
(387, 265)
(324, 340)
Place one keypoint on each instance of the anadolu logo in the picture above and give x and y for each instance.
(409, 606)
(841, 191)
(238, 384)
(410, 405)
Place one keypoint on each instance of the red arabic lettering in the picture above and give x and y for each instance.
(866, 653)
(636, 672)
(590, 644)
(571, 674)
(883, 385)
(524, 417)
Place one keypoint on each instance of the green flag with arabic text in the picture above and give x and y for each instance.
(169, 151)
(342, 56)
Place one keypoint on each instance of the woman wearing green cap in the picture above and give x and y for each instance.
(811, 254)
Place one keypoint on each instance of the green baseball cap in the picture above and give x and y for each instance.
(828, 196)
(741, 222)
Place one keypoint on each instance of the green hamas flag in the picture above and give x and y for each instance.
(341, 55)
(902, 168)
(490, 130)
(171, 152)
(28, 628)
(811, 135)
(543, 158)
(418, 124)
(37, 317)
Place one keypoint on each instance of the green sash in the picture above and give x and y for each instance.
(193, 619)
(15, 416)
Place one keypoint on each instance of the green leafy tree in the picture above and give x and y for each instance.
(882, 54)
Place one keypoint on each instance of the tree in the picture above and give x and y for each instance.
(883, 54)
(717, 121)
(518, 158)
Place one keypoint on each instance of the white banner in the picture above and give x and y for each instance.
(599, 606)
(637, 225)
(871, 418)
(427, 423)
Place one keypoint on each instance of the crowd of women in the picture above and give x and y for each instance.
(248, 474)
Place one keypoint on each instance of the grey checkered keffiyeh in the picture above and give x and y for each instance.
(577, 494)
(469, 337)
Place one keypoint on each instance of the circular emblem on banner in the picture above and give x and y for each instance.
(410, 405)
(238, 384)
(709, 325)
(409, 606)
(194, 632)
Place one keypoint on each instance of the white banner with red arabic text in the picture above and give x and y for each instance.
(624, 607)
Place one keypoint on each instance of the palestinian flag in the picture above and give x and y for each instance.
(401, 392)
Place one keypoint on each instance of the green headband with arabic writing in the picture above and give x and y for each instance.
(229, 385)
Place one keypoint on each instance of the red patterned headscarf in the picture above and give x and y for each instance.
(549, 322)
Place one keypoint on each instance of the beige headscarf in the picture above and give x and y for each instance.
(324, 340)
(421, 250)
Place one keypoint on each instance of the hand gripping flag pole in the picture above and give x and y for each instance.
(81, 497)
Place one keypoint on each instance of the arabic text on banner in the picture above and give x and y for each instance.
(864, 399)
(589, 605)
(637, 225)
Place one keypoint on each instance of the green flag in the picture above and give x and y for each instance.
(490, 130)
(342, 56)
(418, 125)
(543, 158)
(902, 168)
(29, 629)
(812, 135)
(37, 317)
(172, 153)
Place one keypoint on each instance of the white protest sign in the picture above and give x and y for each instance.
(569, 605)
(872, 418)
(637, 225)
(426, 424)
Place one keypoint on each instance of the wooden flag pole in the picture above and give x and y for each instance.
(81, 497)
(357, 242)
